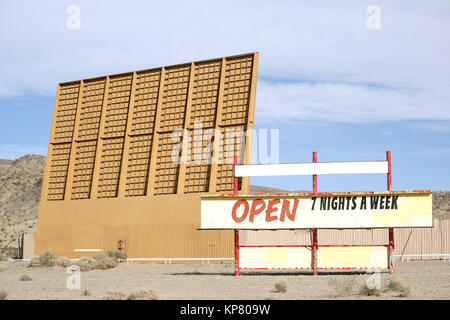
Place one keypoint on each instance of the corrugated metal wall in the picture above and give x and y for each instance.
(407, 240)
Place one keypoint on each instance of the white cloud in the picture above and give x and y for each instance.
(333, 68)
(353, 103)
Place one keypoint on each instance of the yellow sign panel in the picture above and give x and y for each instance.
(396, 209)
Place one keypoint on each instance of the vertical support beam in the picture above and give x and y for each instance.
(98, 151)
(73, 147)
(186, 140)
(217, 133)
(315, 245)
(391, 250)
(236, 253)
(314, 231)
(48, 162)
(389, 174)
(391, 230)
(236, 232)
(250, 122)
(126, 143)
(155, 139)
(314, 175)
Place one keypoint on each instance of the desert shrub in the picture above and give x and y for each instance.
(143, 294)
(104, 262)
(117, 254)
(115, 295)
(86, 264)
(47, 259)
(63, 262)
(86, 292)
(25, 278)
(34, 262)
(399, 286)
(281, 286)
(364, 290)
(3, 294)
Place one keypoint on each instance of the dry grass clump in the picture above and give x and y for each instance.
(117, 254)
(364, 290)
(34, 263)
(47, 259)
(63, 262)
(115, 295)
(25, 278)
(281, 286)
(86, 264)
(3, 294)
(143, 294)
(100, 261)
(393, 287)
(140, 294)
(397, 285)
(104, 262)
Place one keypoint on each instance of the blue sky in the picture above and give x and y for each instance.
(325, 80)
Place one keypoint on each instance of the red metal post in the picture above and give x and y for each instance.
(314, 175)
(236, 253)
(391, 250)
(236, 232)
(389, 175)
(314, 231)
(391, 230)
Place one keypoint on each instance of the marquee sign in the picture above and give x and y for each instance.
(384, 209)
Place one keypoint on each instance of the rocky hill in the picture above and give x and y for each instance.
(20, 189)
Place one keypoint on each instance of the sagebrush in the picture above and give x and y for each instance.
(25, 278)
(281, 286)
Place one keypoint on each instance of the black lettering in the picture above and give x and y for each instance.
(388, 202)
(341, 203)
(353, 203)
(348, 202)
(334, 203)
(363, 205)
(382, 202)
(323, 203)
(314, 202)
(394, 202)
(374, 202)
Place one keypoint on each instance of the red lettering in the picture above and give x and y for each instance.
(237, 205)
(271, 209)
(254, 211)
(286, 212)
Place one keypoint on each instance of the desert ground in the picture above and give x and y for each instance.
(425, 279)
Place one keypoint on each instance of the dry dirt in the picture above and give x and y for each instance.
(426, 279)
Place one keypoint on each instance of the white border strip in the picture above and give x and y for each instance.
(298, 169)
